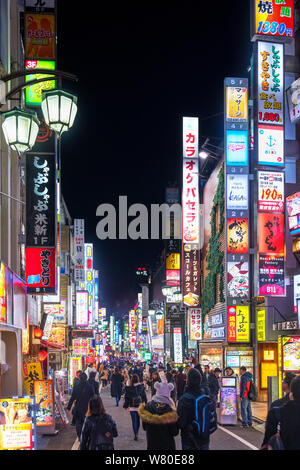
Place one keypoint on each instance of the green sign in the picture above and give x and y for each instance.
(33, 94)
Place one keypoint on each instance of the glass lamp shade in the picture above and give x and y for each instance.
(59, 109)
(20, 129)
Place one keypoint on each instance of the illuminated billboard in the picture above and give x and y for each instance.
(237, 235)
(238, 324)
(270, 145)
(82, 299)
(293, 212)
(270, 233)
(237, 192)
(40, 271)
(236, 104)
(270, 191)
(236, 147)
(33, 93)
(273, 18)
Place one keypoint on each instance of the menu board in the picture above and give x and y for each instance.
(16, 424)
(291, 354)
(228, 401)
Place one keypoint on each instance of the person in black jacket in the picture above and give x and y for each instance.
(159, 419)
(186, 412)
(204, 381)
(99, 428)
(180, 382)
(81, 396)
(273, 414)
(213, 384)
(134, 395)
(155, 378)
(290, 418)
(116, 385)
(93, 383)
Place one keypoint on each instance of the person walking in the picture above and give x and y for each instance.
(204, 381)
(81, 396)
(246, 411)
(76, 378)
(155, 378)
(186, 412)
(99, 429)
(170, 379)
(92, 381)
(159, 418)
(273, 413)
(116, 385)
(180, 382)
(134, 395)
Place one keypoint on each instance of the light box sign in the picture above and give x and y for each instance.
(236, 104)
(33, 93)
(177, 344)
(296, 293)
(237, 235)
(82, 304)
(271, 276)
(43, 392)
(16, 424)
(238, 279)
(293, 212)
(270, 233)
(191, 277)
(238, 324)
(291, 354)
(261, 324)
(270, 83)
(237, 148)
(58, 311)
(173, 261)
(237, 192)
(40, 200)
(81, 347)
(195, 324)
(40, 271)
(57, 337)
(79, 249)
(273, 18)
(190, 202)
(39, 36)
(293, 101)
(173, 277)
(270, 191)
(270, 145)
(190, 137)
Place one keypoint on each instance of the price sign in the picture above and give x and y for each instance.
(270, 191)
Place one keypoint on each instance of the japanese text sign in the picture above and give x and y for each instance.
(39, 36)
(190, 137)
(43, 392)
(270, 191)
(40, 270)
(82, 299)
(274, 18)
(190, 202)
(238, 324)
(177, 344)
(31, 371)
(191, 277)
(236, 104)
(270, 233)
(195, 324)
(237, 192)
(16, 424)
(237, 235)
(270, 145)
(271, 276)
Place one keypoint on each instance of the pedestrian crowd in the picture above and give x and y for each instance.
(166, 402)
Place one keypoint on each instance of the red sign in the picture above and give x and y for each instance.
(173, 277)
(274, 18)
(40, 271)
(270, 233)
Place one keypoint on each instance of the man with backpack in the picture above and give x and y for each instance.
(247, 393)
(197, 414)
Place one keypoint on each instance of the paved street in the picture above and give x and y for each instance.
(225, 438)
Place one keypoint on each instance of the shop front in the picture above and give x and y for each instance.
(238, 356)
(211, 355)
(288, 358)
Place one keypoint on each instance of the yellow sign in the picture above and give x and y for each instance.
(279, 367)
(31, 371)
(261, 324)
(238, 324)
(173, 261)
(267, 370)
(237, 107)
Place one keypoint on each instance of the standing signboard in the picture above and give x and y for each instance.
(17, 423)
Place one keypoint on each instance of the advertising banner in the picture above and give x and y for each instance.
(273, 18)
(190, 137)
(236, 147)
(291, 354)
(39, 36)
(190, 202)
(236, 104)
(16, 424)
(177, 345)
(293, 101)
(31, 371)
(33, 93)
(238, 324)
(237, 235)
(82, 318)
(40, 201)
(173, 261)
(237, 192)
(270, 191)
(238, 279)
(195, 324)
(40, 271)
(58, 311)
(261, 324)
(271, 275)
(270, 83)
(270, 145)
(270, 233)
(191, 277)
(43, 392)
(81, 347)
(57, 337)
(79, 249)
(293, 212)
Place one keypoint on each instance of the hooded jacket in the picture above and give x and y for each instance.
(246, 378)
(93, 433)
(131, 392)
(116, 385)
(290, 425)
(186, 413)
(160, 423)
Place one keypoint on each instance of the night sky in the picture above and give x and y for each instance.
(141, 69)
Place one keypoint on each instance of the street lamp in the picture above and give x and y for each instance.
(20, 129)
(59, 110)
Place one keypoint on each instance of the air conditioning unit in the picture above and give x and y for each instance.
(54, 357)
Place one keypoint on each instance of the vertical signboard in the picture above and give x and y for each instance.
(236, 135)
(190, 272)
(89, 277)
(177, 345)
(82, 299)
(272, 18)
(79, 249)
